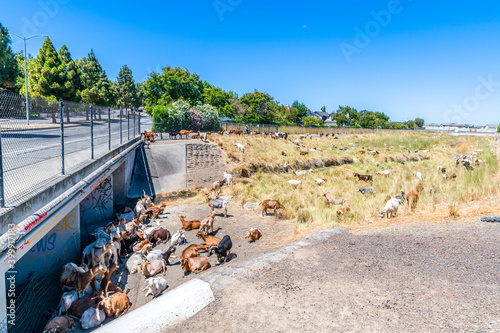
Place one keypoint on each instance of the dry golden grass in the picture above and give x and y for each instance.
(262, 173)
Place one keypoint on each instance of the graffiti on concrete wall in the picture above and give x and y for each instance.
(98, 205)
(60, 245)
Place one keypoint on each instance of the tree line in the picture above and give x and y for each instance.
(56, 75)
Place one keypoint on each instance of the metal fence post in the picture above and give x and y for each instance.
(128, 125)
(121, 131)
(133, 113)
(2, 198)
(139, 124)
(61, 105)
(109, 128)
(91, 132)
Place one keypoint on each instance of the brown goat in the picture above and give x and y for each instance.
(139, 246)
(302, 153)
(363, 177)
(75, 277)
(412, 198)
(195, 265)
(345, 208)
(209, 240)
(160, 235)
(189, 225)
(192, 251)
(78, 307)
(420, 187)
(116, 304)
(253, 234)
(270, 204)
(208, 223)
(334, 200)
(153, 267)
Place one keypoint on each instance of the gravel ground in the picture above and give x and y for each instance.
(235, 225)
(427, 278)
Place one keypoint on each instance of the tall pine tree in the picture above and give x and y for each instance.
(126, 89)
(97, 89)
(9, 70)
(46, 76)
(72, 73)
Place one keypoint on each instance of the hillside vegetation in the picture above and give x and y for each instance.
(262, 173)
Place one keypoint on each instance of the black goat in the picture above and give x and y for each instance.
(173, 134)
(223, 250)
(402, 197)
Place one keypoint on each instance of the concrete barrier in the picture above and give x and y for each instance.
(165, 311)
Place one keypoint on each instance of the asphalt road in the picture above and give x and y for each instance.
(33, 157)
(22, 148)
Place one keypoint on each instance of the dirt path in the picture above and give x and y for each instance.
(430, 278)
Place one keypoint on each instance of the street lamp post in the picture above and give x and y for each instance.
(26, 71)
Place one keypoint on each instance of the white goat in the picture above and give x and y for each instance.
(228, 178)
(417, 175)
(93, 317)
(178, 238)
(240, 147)
(155, 286)
(385, 172)
(294, 182)
(390, 209)
(319, 181)
(133, 263)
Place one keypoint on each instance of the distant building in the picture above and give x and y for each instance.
(461, 128)
(330, 122)
(321, 115)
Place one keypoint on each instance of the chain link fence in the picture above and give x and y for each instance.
(33, 150)
(262, 128)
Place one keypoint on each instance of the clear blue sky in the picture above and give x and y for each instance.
(426, 58)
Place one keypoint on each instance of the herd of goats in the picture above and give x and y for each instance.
(92, 297)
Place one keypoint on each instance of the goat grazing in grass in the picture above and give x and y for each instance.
(390, 209)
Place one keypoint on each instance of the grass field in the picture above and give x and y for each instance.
(262, 173)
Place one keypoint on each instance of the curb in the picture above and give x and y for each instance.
(165, 311)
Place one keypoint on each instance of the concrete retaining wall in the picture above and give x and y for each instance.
(168, 166)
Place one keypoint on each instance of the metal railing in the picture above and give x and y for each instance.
(61, 137)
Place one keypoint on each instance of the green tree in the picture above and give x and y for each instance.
(171, 85)
(323, 108)
(301, 108)
(97, 89)
(9, 70)
(345, 115)
(71, 71)
(125, 89)
(419, 122)
(410, 124)
(498, 129)
(312, 121)
(219, 99)
(261, 107)
(46, 76)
